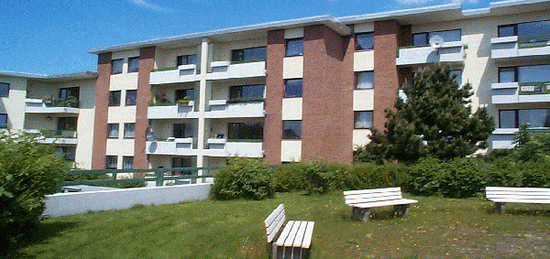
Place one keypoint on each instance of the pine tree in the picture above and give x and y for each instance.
(436, 119)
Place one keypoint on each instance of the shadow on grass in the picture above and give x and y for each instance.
(39, 234)
(521, 211)
(374, 215)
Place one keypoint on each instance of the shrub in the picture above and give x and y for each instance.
(535, 173)
(289, 177)
(462, 177)
(243, 178)
(504, 172)
(28, 171)
(423, 176)
(369, 175)
(319, 177)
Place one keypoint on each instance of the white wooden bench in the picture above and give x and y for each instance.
(363, 200)
(502, 195)
(294, 241)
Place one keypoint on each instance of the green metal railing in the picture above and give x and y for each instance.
(63, 102)
(158, 175)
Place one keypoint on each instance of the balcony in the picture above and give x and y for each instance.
(450, 52)
(515, 93)
(236, 109)
(236, 147)
(227, 70)
(514, 47)
(64, 137)
(172, 111)
(171, 146)
(505, 138)
(52, 106)
(181, 74)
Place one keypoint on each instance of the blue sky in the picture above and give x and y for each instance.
(54, 36)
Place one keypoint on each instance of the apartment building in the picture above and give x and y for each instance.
(59, 107)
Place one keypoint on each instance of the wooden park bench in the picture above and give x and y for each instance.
(502, 195)
(363, 200)
(294, 241)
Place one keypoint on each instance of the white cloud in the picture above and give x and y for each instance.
(419, 2)
(146, 4)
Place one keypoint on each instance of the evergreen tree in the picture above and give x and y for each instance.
(436, 119)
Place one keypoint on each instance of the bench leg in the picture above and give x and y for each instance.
(402, 210)
(501, 207)
(361, 214)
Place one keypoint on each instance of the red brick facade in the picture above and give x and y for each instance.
(101, 110)
(146, 64)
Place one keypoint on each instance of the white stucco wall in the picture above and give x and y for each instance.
(14, 104)
(292, 109)
(291, 150)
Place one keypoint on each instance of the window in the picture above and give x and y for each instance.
(186, 60)
(127, 162)
(245, 130)
(65, 93)
(4, 89)
(363, 120)
(507, 30)
(181, 162)
(294, 47)
(111, 162)
(129, 130)
(292, 129)
(247, 92)
(116, 66)
(507, 74)
(114, 98)
(68, 153)
(364, 41)
(293, 88)
(458, 74)
(524, 74)
(66, 123)
(535, 118)
(182, 93)
(131, 96)
(422, 39)
(3, 121)
(250, 54)
(364, 80)
(112, 130)
(133, 64)
(182, 130)
(526, 29)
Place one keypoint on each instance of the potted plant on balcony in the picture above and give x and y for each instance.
(184, 101)
(47, 101)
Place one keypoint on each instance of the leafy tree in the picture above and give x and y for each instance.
(531, 146)
(435, 119)
(28, 171)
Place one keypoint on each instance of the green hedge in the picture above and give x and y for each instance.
(243, 178)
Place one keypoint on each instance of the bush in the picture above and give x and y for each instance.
(243, 178)
(369, 175)
(28, 171)
(462, 178)
(289, 177)
(319, 176)
(504, 172)
(423, 176)
(535, 173)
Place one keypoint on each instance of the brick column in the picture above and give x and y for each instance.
(273, 127)
(146, 64)
(101, 110)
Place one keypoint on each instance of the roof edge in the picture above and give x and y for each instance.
(65, 76)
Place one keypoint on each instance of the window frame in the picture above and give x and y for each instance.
(186, 127)
(517, 118)
(116, 61)
(181, 58)
(115, 98)
(238, 90)
(67, 92)
(515, 73)
(177, 93)
(129, 128)
(241, 57)
(285, 93)
(125, 160)
(240, 126)
(357, 80)
(2, 92)
(110, 128)
(359, 47)
(284, 128)
(63, 122)
(355, 116)
(427, 36)
(132, 68)
(287, 41)
(112, 160)
(127, 102)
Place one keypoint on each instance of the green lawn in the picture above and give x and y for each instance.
(435, 228)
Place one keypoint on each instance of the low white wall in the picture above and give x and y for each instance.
(64, 204)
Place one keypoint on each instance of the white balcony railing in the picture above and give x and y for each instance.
(38, 106)
(175, 111)
(449, 52)
(226, 70)
(181, 74)
(513, 47)
(183, 146)
(224, 148)
(62, 137)
(514, 93)
(245, 109)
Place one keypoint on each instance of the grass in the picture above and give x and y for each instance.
(435, 228)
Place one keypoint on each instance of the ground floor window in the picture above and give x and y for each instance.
(111, 162)
(127, 162)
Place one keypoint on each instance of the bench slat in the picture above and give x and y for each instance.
(369, 191)
(284, 234)
(372, 199)
(515, 189)
(523, 201)
(300, 235)
(280, 209)
(274, 228)
(306, 243)
(292, 235)
(384, 203)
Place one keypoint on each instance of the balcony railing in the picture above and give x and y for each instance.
(503, 48)
(505, 138)
(172, 111)
(172, 146)
(69, 106)
(228, 70)
(181, 74)
(513, 93)
(236, 108)
(449, 52)
(55, 136)
(234, 147)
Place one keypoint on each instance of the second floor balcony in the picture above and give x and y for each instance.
(234, 70)
(514, 47)
(52, 106)
(235, 147)
(172, 110)
(516, 93)
(170, 75)
(249, 108)
(449, 52)
(171, 146)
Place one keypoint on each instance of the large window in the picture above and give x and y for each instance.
(294, 47)
(68, 153)
(127, 162)
(3, 121)
(112, 130)
(292, 129)
(186, 60)
(4, 89)
(524, 74)
(364, 41)
(181, 162)
(250, 54)
(182, 93)
(526, 29)
(535, 118)
(131, 97)
(111, 162)
(133, 64)
(65, 93)
(114, 98)
(129, 130)
(116, 66)
(293, 88)
(422, 39)
(363, 119)
(182, 130)
(364, 80)
(66, 123)
(246, 92)
(245, 130)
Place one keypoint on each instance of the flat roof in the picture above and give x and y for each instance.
(51, 78)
